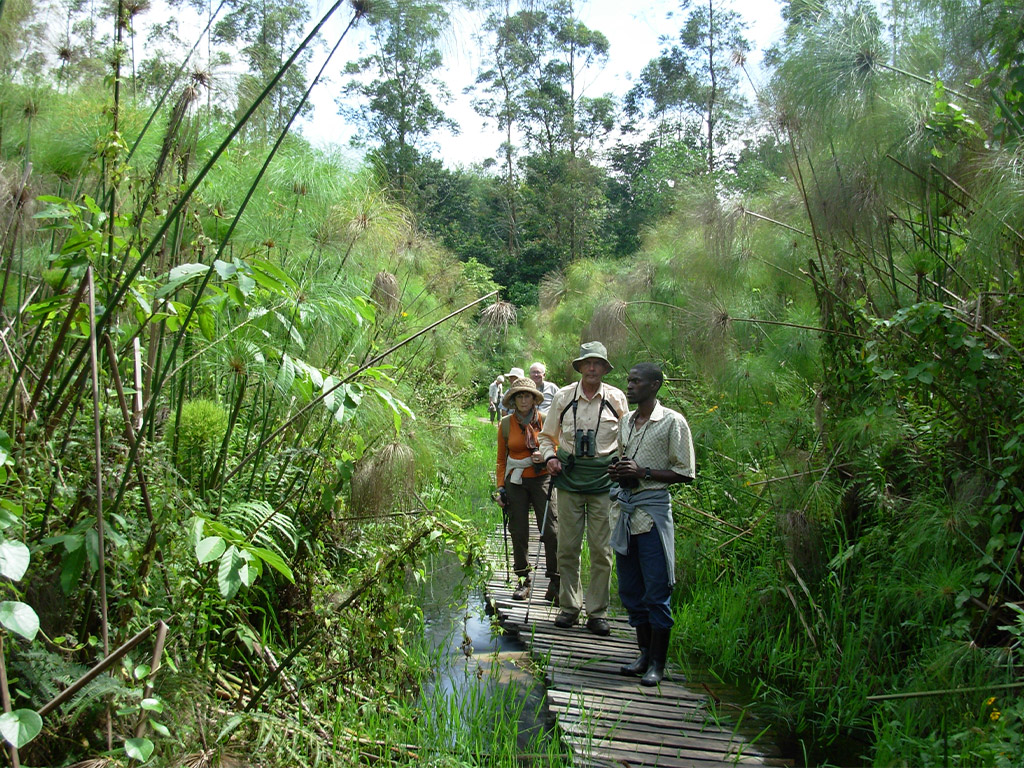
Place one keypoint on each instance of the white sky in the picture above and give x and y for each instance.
(631, 26)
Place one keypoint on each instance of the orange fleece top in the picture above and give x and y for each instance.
(516, 446)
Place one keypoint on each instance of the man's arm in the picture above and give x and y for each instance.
(550, 434)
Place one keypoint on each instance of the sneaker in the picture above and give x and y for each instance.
(599, 626)
(565, 620)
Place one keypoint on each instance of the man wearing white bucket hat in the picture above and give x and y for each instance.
(510, 377)
(579, 441)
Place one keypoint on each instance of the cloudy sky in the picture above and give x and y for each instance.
(631, 26)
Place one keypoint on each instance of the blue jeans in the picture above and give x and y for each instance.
(643, 581)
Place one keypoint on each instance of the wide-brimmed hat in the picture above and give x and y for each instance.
(515, 373)
(592, 349)
(522, 384)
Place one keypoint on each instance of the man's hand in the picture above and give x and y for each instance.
(554, 466)
(624, 469)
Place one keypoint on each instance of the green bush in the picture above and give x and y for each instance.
(199, 433)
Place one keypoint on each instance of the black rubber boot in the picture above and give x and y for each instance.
(551, 595)
(643, 642)
(659, 653)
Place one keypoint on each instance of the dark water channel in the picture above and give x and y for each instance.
(478, 671)
(481, 678)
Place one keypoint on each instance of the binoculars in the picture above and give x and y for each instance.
(585, 443)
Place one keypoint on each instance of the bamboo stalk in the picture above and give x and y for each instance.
(945, 691)
(102, 666)
(98, 454)
(154, 667)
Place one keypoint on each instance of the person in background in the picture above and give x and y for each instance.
(547, 388)
(523, 482)
(494, 393)
(510, 377)
(656, 452)
(579, 441)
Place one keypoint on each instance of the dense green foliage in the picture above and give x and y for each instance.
(236, 366)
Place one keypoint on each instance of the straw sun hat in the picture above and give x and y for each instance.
(522, 385)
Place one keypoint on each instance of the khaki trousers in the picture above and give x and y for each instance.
(576, 513)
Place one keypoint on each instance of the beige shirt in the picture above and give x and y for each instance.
(662, 442)
(589, 415)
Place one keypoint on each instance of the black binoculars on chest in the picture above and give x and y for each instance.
(585, 446)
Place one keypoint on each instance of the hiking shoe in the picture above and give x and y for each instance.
(522, 591)
(551, 595)
(599, 626)
(565, 620)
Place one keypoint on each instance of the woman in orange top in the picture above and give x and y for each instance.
(523, 482)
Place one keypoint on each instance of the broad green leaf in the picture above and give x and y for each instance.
(71, 569)
(20, 726)
(229, 580)
(152, 705)
(159, 728)
(207, 324)
(268, 282)
(285, 375)
(250, 569)
(181, 274)
(396, 405)
(224, 269)
(6, 444)
(210, 549)
(14, 559)
(274, 560)
(19, 618)
(245, 283)
(274, 271)
(139, 749)
(187, 271)
(353, 395)
(236, 295)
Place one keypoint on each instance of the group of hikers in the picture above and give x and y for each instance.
(587, 465)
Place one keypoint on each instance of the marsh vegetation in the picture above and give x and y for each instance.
(238, 372)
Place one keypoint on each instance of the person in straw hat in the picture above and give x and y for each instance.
(523, 482)
(579, 441)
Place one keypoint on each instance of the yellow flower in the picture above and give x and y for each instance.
(994, 716)
(712, 409)
(405, 314)
(991, 701)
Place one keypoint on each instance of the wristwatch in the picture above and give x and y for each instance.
(647, 473)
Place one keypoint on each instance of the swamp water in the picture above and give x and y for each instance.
(482, 699)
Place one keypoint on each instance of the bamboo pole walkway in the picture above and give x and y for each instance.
(607, 719)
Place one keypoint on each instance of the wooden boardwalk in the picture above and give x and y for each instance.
(608, 719)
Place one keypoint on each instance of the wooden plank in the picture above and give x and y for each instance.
(608, 719)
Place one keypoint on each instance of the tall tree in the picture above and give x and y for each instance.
(532, 87)
(695, 77)
(267, 31)
(395, 91)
